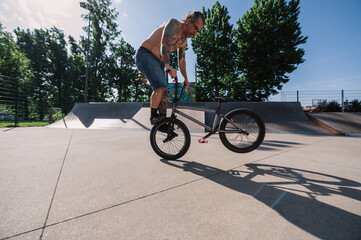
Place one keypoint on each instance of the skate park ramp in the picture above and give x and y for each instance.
(115, 116)
(345, 123)
(99, 115)
(278, 116)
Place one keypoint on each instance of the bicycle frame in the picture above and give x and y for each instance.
(212, 129)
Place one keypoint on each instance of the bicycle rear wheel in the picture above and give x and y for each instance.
(170, 138)
(244, 131)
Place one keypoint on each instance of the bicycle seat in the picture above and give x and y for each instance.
(223, 99)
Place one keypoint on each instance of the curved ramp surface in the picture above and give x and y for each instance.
(99, 115)
(348, 123)
(278, 116)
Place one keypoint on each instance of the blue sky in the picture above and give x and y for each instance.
(333, 27)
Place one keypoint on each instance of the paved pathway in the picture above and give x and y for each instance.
(109, 184)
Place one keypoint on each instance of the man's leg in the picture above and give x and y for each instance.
(154, 104)
(156, 97)
(153, 70)
(162, 108)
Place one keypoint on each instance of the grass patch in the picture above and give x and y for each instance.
(24, 124)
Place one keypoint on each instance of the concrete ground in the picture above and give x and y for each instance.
(109, 184)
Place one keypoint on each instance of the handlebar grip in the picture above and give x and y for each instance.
(167, 72)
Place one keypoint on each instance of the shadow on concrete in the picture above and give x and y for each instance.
(8, 129)
(320, 219)
(271, 145)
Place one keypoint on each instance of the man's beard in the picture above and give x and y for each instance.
(189, 34)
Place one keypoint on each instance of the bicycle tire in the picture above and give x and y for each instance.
(249, 122)
(175, 147)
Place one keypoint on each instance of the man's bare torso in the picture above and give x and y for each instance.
(174, 39)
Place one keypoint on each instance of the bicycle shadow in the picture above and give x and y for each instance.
(317, 218)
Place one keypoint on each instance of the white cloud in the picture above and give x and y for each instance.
(118, 1)
(23, 5)
(5, 6)
(3, 18)
(64, 14)
(125, 14)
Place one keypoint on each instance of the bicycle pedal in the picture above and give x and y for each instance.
(202, 140)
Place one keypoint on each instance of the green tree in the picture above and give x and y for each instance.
(104, 31)
(142, 91)
(76, 72)
(14, 72)
(58, 56)
(215, 50)
(123, 72)
(35, 46)
(267, 37)
(13, 63)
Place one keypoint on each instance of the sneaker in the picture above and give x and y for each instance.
(157, 118)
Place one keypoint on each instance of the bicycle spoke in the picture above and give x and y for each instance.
(245, 123)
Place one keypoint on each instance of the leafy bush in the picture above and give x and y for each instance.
(58, 115)
(333, 106)
(354, 106)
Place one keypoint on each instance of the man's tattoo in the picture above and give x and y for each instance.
(162, 108)
(171, 41)
(165, 54)
(181, 53)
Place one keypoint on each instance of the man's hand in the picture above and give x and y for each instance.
(186, 83)
(172, 72)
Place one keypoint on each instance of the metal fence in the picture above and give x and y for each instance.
(313, 98)
(9, 101)
(16, 104)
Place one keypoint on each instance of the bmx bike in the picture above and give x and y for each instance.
(240, 130)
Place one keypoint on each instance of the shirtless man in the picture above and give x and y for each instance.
(154, 54)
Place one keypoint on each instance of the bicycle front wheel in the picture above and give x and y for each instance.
(170, 138)
(243, 132)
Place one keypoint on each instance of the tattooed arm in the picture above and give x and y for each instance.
(169, 41)
(182, 63)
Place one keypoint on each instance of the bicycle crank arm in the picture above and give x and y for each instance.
(171, 134)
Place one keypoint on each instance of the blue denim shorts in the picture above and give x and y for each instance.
(151, 67)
